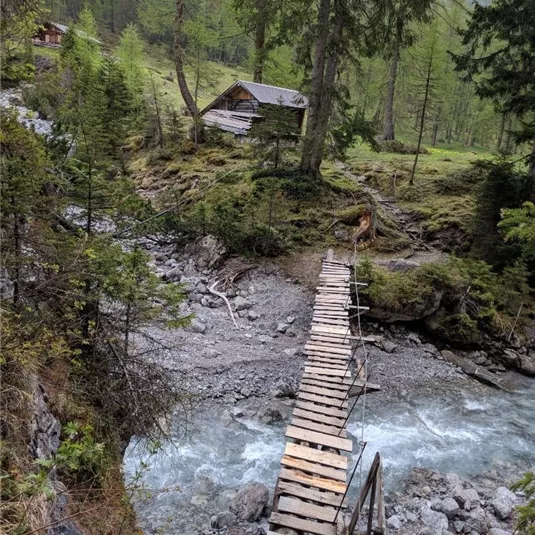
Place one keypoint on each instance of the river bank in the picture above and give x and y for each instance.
(428, 413)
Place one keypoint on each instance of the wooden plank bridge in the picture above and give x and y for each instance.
(311, 492)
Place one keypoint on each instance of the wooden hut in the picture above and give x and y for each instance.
(237, 108)
(50, 34)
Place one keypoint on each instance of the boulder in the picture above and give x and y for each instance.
(503, 502)
(223, 520)
(398, 264)
(389, 346)
(208, 252)
(477, 372)
(498, 531)
(292, 351)
(252, 315)
(282, 327)
(249, 502)
(283, 390)
(448, 506)
(198, 326)
(271, 415)
(467, 498)
(476, 520)
(240, 303)
(394, 522)
(210, 353)
(437, 522)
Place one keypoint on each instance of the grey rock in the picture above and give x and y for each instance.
(398, 264)
(451, 480)
(282, 327)
(194, 297)
(174, 275)
(271, 415)
(292, 351)
(283, 390)
(433, 519)
(210, 353)
(188, 284)
(394, 522)
(389, 346)
(290, 319)
(476, 520)
(223, 520)
(498, 531)
(448, 506)
(250, 501)
(503, 503)
(264, 339)
(198, 326)
(341, 234)
(208, 252)
(467, 498)
(458, 526)
(240, 303)
(252, 315)
(412, 337)
(201, 288)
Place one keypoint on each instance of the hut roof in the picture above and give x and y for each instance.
(266, 94)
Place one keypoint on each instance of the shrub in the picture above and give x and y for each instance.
(399, 147)
(292, 182)
(458, 183)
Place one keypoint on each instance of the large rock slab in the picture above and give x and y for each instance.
(250, 501)
(478, 372)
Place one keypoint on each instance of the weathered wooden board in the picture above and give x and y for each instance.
(328, 347)
(330, 441)
(325, 338)
(330, 392)
(325, 378)
(316, 456)
(320, 428)
(321, 409)
(292, 489)
(322, 383)
(309, 510)
(323, 400)
(313, 468)
(314, 353)
(318, 363)
(321, 418)
(301, 524)
(297, 476)
(327, 371)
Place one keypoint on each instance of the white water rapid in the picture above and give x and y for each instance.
(446, 428)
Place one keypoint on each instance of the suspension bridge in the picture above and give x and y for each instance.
(312, 491)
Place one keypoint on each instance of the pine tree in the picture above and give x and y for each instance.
(276, 134)
(500, 60)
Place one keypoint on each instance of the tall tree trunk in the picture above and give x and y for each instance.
(500, 132)
(112, 16)
(388, 133)
(328, 88)
(424, 106)
(260, 41)
(179, 61)
(316, 87)
(531, 163)
(435, 134)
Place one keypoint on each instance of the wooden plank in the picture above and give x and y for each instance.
(296, 476)
(300, 524)
(319, 428)
(325, 338)
(319, 438)
(309, 510)
(331, 330)
(326, 353)
(333, 460)
(323, 400)
(327, 347)
(323, 320)
(313, 468)
(323, 378)
(318, 496)
(330, 392)
(321, 418)
(318, 363)
(320, 409)
(327, 371)
(370, 387)
(322, 383)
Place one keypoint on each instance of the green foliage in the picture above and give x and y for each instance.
(518, 224)
(526, 513)
(292, 182)
(399, 147)
(502, 187)
(130, 52)
(458, 183)
(275, 135)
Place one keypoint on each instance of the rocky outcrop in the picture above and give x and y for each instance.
(417, 310)
(478, 372)
(208, 252)
(440, 504)
(250, 501)
(519, 360)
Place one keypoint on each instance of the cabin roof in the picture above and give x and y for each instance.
(64, 29)
(266, 94)
(232, 121)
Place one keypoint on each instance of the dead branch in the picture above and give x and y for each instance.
(213, 291)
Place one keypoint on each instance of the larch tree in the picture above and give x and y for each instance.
(178, 51)
(403, 13)
(500, 59)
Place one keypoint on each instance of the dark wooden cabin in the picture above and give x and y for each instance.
(50, 33)
(237, 108)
